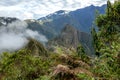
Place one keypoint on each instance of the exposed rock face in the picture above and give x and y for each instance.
(71, 37)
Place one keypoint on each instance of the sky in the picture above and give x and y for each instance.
(34, 9)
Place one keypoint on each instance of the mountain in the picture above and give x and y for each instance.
(52, 24)
(70, 37)
(81, 19)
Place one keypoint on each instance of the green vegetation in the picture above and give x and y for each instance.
(22, 65)
(34, 62)
(107, 43)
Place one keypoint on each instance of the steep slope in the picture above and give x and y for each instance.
(71, 38)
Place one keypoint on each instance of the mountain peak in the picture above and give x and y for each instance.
(68, 37)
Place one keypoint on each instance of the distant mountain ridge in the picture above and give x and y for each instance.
(52, 24)
(81, 19)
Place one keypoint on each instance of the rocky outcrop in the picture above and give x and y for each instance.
(71, 38)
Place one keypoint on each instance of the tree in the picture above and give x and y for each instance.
(107, 42)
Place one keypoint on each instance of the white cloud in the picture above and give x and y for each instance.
(25, 9)
(36, 35)
(15, 35)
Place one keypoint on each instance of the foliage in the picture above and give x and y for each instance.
(22, 65)
(44, 78)
(82, 54)
(84, 76)
(107, 43)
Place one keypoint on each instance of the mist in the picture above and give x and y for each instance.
(15, 36)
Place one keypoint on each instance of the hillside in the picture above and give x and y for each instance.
(72, 38)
